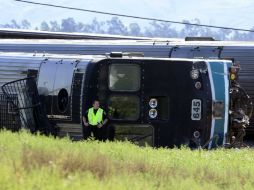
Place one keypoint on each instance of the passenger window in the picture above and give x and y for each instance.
(124, 77)
(124, 107)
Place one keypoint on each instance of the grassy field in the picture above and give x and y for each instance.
(36, 162)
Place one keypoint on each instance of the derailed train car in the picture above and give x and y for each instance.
(239, 52)
(158, 101)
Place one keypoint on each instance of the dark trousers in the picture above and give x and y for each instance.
(98, 133)
(107, 132)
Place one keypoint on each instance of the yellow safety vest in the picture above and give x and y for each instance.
(95, 119)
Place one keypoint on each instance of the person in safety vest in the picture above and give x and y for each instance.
(94, 121)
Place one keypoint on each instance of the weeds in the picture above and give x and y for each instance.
(38, 162)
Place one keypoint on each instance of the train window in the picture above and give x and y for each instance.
(124, 107)
(124, 77)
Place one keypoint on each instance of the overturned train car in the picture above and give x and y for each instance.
(155, 101)
(239, 52)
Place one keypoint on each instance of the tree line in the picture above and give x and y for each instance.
(117, 27)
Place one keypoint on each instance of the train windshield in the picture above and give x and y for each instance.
(124, 77)
(122, 107)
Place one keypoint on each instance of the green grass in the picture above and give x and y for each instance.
(37, 162)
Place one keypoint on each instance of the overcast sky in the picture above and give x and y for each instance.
(231, 13)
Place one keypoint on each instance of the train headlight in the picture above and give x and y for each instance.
(153, 103)
(198, 85)
(196, 134)
(233, 72)
(232, 76)
(194, 74)
(153, 113)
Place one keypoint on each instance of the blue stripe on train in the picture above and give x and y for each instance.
(221, 93)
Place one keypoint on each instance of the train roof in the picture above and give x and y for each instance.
(37, 34)
(23, 55)
(132, 42)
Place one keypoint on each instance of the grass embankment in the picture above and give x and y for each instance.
(36, 162)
